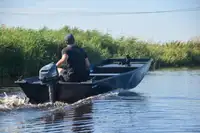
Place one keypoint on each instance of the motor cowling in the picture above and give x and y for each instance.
(49, 73)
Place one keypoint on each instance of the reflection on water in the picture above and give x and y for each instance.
(63, 120)
(81, 118)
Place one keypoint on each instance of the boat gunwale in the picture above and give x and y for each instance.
(90, 82)
(122, 74)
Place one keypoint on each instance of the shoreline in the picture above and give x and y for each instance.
(176, 68)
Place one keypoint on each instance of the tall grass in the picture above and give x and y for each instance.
(24, 51)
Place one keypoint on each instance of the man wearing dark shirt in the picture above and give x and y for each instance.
(75, 60)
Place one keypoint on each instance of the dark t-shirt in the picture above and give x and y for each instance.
(76, 59)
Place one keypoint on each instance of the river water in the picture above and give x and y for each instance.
(165, 101)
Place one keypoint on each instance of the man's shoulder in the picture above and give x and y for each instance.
(81, 48)
(65, 50)
(84, 52)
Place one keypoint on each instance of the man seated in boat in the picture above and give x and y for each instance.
(75, 62)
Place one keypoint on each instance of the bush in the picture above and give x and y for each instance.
(25, 51)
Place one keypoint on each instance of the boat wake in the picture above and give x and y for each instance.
(83, 102)
(17, 101)
(8, 102)
(20, 101)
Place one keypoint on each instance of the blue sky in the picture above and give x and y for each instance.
(151, 27)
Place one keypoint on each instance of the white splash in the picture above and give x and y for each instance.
(12, 101)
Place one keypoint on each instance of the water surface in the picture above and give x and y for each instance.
(165, 101)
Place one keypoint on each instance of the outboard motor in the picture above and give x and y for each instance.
(49, 75)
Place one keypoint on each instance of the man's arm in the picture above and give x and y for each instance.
(60, 62)
(87, 62)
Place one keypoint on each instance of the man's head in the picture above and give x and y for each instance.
(69, 39)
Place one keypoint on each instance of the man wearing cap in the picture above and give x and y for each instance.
(75, 60)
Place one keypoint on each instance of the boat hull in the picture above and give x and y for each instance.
(70, 92)
(103, 79)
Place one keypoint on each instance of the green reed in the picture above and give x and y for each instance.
(25, 51)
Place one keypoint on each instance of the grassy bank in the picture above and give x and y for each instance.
(24, 51)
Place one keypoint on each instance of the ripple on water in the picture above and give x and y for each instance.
(167, 102)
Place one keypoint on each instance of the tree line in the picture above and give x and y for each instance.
(25, 51)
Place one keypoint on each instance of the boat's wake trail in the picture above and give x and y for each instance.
(8, 102)
(84, 101)
(20, 101)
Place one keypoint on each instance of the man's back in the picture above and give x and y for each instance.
(76, 57)
(75, 64)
